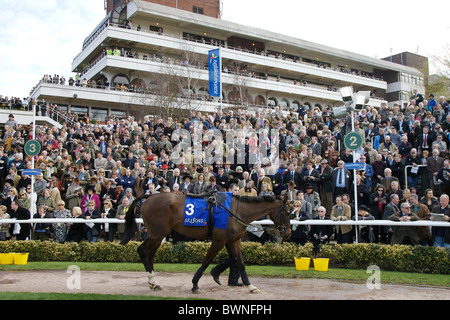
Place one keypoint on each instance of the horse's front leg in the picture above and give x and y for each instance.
(213, 250)
(235, 248)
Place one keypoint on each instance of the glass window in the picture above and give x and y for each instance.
(79, 109)
(63, 107)
(99, 114)
(118, 113)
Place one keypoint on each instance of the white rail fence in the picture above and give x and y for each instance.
(421, 223)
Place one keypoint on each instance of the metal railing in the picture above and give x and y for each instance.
(53, 114)
(406, 172)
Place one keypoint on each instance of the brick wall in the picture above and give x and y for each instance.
(210, 8)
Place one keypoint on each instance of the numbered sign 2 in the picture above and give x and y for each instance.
(353, 141)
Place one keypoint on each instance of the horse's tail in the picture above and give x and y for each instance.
(130, 221)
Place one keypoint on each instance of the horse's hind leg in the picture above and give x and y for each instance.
(147, 251)
(213, 250)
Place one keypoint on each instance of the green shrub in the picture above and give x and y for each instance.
(355, 256)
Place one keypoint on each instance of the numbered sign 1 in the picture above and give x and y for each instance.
(353, 141)
(32, 148)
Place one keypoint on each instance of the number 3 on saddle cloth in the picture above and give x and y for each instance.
(196, 211)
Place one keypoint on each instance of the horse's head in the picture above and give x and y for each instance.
(281, 219)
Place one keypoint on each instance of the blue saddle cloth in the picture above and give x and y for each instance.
(196, 212)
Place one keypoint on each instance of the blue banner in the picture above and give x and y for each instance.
(215, 68)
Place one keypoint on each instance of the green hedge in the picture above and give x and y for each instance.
(355, 256)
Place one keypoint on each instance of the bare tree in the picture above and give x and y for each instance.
(439, 83)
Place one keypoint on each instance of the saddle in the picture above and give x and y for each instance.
(214, 199)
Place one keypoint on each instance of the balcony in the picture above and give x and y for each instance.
(147, 41)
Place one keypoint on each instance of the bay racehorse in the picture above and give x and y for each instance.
(164, 212)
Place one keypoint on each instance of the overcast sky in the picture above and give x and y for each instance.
(42, 37)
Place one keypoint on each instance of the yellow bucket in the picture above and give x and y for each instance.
(321, 264)
(6, 258)
(302, 263)
(20, 258)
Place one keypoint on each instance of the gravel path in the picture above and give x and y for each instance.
(179, 285)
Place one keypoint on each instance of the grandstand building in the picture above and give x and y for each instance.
(151, 57)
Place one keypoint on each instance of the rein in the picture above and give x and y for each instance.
(244, 223)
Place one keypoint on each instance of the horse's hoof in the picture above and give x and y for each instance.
(195, 290)
(155, 287)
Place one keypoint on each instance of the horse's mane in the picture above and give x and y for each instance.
(264, 198)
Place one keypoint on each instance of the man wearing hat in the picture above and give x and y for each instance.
(311, 176)
(74, 194)
(326, 185)
(432, 103)
(11, 122)
(212, 184)
(165, 172)
(187, 186)
(312, 197)
(290, 192)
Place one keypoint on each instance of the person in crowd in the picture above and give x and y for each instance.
(200, 184)
(291, 193)
(42, 230)
(121, 213)
(313, 198)
(423, 213)
(365, 232)
(108, 229)
(321, 234)
(47, 202)
(387, 180)
(441, 212)
(342, 212)
(434, 164)
(74, 194)
(413, 161)
(299, 233)
(76, 230)
(4, 227)
(429, 199)
(391, 209)
(340, 180)
(326, 187)
(90, 196)
(401, 234)
(92, 230)
(60, 230)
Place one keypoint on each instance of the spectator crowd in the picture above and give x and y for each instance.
(94, 171)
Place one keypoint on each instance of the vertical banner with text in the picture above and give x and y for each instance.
(215, 68)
